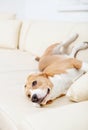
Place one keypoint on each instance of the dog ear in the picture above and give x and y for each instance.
(44, 75)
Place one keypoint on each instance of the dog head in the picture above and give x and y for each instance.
(38, 88)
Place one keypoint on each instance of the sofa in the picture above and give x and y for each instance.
(20, 43)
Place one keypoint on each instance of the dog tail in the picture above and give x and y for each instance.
(37, 58)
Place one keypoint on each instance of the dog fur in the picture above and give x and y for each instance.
(57, 72)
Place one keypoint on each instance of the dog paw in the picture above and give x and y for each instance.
(83, 45)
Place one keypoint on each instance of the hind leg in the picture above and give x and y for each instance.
(78, 47)
(59, 48)
(62, 48)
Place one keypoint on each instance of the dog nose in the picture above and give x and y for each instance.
(34, 98)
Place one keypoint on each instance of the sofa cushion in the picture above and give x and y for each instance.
(79, 89)
(38, 35)
(71, 117)
(9, 33)
(16, 60)
(5, 16)
(6, 122)
(15, 66)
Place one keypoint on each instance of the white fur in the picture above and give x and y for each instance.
(62, 82)
(40, 92)
(77, 47)
(61, 48)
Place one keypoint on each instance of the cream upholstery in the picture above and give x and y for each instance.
(17, 64)
(16, 60)
(79, 89)
(9, 33)
(5, 121)
(73, 117)
(5, 16)
(41, 34)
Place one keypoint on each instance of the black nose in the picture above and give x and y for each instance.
(34, 98)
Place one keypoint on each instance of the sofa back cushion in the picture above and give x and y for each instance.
(5, 16)
(9, 33)
(38, 35)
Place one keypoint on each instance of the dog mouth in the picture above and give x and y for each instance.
(35, 98)
(48, 91)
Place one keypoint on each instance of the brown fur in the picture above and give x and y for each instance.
(57, 64)
(42, 81)
(52, 64)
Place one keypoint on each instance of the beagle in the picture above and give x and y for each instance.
(57, 72)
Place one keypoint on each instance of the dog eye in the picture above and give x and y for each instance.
(34, 83)
(28, 95)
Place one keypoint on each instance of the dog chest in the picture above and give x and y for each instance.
(62, 82)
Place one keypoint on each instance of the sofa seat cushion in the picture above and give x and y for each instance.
(15, 66)
(57, 115)
(6, 123)
(14, 100)
(14, 60)
(71, 117)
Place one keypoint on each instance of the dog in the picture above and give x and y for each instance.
(58, 71)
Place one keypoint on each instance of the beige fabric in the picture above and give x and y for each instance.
(15, 66)
(71, 117)
(16, 60)
(81, 29)
(5, 121)
(9, 33)
(23, 34)
(79, 90)
(41, 34)
(5, 16)
(38, 35)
